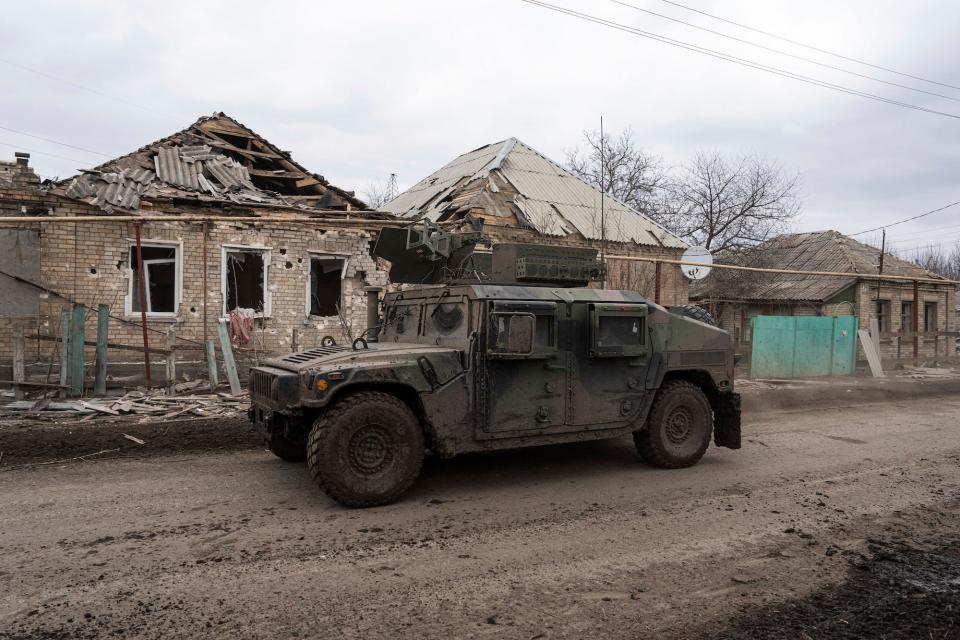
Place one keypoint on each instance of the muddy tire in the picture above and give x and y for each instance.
(698, 313)
(285, 449)
(678, 429)
(366, 450)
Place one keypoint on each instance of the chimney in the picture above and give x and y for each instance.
(23, 159)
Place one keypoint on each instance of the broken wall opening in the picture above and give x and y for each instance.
(245, 280)
(326, 280)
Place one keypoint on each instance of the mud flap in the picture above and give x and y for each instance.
(726, 418)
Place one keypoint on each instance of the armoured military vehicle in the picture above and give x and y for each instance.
(511, 348)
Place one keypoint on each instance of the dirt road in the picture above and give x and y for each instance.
(575, 541)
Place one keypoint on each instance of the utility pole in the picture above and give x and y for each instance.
(603, 221)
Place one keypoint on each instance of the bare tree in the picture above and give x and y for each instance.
(936, 259)
(377, 195)
(727, 204)
(633, 176)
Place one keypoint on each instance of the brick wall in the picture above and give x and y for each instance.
(89, 262)
(896, 293)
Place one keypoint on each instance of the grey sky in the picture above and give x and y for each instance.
(357, 90)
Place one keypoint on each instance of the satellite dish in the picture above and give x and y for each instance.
(700, 255)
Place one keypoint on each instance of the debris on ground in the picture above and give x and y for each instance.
(146, 405)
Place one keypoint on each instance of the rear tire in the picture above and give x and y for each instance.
(285, 449)
(366, 450)
(698, 313)
(678, 429)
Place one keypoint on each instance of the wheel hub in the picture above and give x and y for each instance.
(371, 449)
(679, 425)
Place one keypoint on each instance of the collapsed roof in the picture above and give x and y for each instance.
(214, 160)
(816, 251)
(510, 184)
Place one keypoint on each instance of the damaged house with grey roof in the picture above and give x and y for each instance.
(900, 311)
(226, 221)
(516, 194)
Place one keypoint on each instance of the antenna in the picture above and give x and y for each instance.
(603, 226)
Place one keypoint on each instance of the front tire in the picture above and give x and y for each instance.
(366, 450)
(678, 429)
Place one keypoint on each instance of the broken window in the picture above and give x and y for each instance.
(906, 317)
(929, 316)
(245, 280)
(326, 278)
(883, 315)
(161, 279)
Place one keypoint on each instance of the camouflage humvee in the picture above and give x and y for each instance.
(513, 359)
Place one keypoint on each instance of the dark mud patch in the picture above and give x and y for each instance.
(896, 591)
(32, 443)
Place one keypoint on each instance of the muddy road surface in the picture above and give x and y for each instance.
(573, 541)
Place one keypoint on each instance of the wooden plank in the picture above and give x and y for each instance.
(113, 345)
(64, 351)
(18, 368)
(228, 362)
(99, 408)
(76, 364)
(212, 364)
(875, 333)
(171, 360)
(873, 358)
(100, 375)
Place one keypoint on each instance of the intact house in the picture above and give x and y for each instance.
(519, 195)
(301, 271)
(734, 297)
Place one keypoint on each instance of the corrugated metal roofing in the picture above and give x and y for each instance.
(188, 165)
(548, 198)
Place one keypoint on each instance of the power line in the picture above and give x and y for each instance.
(62, 144)
(76, 85)
(783, 53)
(736, 60)
(44, 153)
(811, 47)
(917, 217)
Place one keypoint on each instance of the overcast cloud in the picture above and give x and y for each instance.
(357, 90)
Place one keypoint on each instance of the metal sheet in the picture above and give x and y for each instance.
(19, 256)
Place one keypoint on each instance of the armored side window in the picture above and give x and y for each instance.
(402, 320)
(511, 334)
(618, 330)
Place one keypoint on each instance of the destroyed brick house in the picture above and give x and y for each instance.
(519, 195)
(734, 297)
(301, 270)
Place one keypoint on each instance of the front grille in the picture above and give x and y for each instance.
(261, 386)
(311, 354)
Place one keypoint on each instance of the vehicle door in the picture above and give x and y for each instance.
(611, 359)
(523, 385)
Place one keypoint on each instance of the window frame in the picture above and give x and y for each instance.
(640, 311)
(927, 304)
(226, 249)
(177, 246)
(906, 317)
(883, 319)
(308, 302)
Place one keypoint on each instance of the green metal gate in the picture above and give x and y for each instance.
(802, 346)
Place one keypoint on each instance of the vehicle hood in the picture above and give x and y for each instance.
(378, 354)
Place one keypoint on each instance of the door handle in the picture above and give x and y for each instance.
(554, 367)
